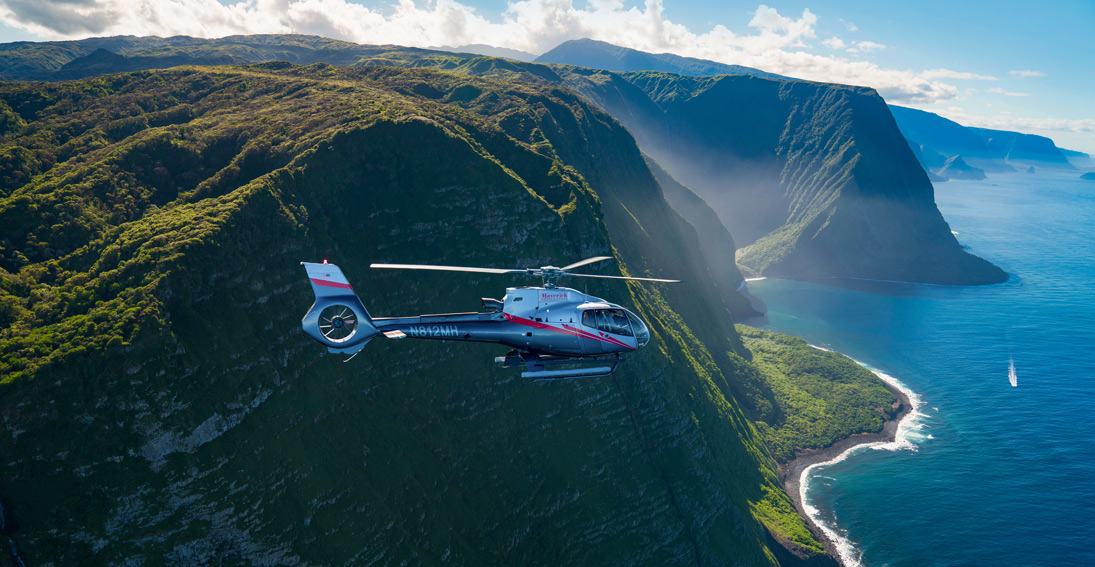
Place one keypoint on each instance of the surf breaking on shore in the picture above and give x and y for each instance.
(895, 436)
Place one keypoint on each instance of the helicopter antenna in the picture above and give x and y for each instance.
(549, 273)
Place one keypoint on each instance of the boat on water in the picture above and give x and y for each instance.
(1011, 374)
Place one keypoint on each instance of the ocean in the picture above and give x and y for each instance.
(989, 473)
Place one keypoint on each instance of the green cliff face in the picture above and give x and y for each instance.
(716, 244)
(813, 180)
(161, 405)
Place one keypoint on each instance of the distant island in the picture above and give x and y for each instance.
(1089, 175)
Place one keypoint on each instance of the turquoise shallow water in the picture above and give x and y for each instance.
(996, 474)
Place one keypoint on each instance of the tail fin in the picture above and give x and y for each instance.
(337, 319)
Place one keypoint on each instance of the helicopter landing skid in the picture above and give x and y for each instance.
(535, 365)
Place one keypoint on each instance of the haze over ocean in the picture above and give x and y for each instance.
(1000, 475)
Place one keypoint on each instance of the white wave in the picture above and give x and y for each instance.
(904, 439)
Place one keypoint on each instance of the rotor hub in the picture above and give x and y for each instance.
(550, 274)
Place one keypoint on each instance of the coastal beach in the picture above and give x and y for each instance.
(794, 474)
(1001, 471)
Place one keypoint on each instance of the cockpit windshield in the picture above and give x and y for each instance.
(642, 334)
(613, 321)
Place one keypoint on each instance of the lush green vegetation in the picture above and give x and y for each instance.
(812, 179)
(164, 406)
(817, 397)
(149, 290)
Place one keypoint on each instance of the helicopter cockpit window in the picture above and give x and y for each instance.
(608, 320)
(642, 334)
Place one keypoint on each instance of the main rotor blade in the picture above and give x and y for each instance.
(623, 278)
(586, 261)
(449, 268)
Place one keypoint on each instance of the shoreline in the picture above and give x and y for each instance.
(793, 472)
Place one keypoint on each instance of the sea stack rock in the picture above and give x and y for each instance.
(957, 168)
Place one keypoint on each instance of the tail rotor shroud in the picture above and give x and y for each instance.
(338, 323)
(337, 319)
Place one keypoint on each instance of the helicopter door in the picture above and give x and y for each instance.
(591, 320)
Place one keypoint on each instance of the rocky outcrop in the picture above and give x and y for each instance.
(956, 168)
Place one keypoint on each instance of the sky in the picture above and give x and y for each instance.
(1023, 66)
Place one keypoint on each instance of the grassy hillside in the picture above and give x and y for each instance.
(162, 406)
(813, 180)
(818, 397)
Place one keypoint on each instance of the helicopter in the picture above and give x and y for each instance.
(545, 326)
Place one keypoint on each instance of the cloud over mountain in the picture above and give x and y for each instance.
(774, 42)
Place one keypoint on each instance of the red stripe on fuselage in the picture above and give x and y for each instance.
(327, 283)
(566, 330)
(602, 337)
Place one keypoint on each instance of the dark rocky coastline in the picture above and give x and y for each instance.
(790, 473)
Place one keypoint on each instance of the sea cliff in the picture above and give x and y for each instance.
(811, 179)
(162, 403)
(150, 291)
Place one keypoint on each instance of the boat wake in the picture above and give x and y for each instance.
(910, 432)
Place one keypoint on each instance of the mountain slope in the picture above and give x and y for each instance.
(811, 179)
(152, 292)
(600, 55)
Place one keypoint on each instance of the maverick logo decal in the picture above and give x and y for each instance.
(546, 296)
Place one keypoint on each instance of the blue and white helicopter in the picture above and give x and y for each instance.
(544, 326)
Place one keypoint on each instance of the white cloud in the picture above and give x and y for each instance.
(773, 42)
(948, 74)
(851, 27)
(1008, 121)
(838, 44)
(998, 90)
(865, 47)
(1026, 74)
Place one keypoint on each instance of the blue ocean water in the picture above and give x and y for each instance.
(993, 474)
